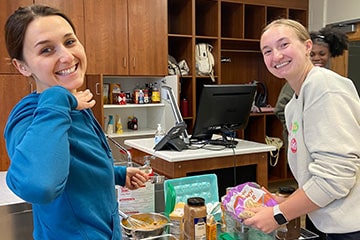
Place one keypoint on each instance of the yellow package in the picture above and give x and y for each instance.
(176, 218)
(211, 228)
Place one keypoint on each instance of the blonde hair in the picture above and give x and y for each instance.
(301, 32)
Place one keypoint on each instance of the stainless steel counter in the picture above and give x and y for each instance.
(16, 220)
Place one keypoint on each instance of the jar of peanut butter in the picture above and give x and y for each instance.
(195, 219)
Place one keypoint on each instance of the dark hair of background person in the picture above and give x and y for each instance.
(336, 40)
(16, 25)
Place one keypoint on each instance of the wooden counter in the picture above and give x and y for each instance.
(174, 164)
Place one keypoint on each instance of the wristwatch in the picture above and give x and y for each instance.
(279, 216)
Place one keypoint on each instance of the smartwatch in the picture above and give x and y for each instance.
(279, 216)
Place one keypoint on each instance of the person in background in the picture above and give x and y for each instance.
(61, 162)
(323, 121)
(327, 42)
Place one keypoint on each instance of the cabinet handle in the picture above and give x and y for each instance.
(124, 62)
(134, 62)
(97, 86)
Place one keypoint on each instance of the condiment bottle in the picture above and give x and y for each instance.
(141, 97)
(195, 219)
(184, 107)
(291, 230)
(155, 97)
(110, 127)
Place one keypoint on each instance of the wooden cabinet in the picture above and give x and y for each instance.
(233, 28)
(13, 88)
(126, 37)
(72, 9)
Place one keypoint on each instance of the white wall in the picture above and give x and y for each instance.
(322, 12)
(316, 14)
(342, 10)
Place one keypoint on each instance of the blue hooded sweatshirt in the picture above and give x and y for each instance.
(61, 163)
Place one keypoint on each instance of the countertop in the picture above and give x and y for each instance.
(7, 197)
(243, 147)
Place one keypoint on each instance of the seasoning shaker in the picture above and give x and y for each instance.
(195, 219)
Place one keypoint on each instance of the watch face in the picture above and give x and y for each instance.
(280, 219)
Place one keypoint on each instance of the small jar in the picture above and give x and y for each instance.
(155, 97)
(195, 219)
(291, 230)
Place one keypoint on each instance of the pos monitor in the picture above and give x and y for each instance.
(222, 109)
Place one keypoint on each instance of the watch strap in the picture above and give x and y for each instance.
(278, 215)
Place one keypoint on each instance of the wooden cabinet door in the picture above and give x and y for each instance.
(72, 9)
(106, 40)
(12, 89)
(126, 37)
(147, 37)
(7, 8)
(94, 82)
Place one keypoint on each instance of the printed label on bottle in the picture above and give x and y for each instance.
(200, 228)
(156, 97)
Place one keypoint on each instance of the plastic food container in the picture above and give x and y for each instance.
(204, 186)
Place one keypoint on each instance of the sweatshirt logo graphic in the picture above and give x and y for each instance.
(294, 127)
(293, 145)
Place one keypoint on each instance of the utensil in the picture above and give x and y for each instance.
(135, 223)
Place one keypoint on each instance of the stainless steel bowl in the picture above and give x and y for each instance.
(157, 224)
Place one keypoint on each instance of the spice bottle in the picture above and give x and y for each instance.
(195, 219)
(291, 230)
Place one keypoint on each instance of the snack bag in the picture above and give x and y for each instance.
(240, 199)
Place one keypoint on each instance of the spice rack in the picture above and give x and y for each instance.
(148, 115)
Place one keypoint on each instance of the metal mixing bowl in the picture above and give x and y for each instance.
(157, 224)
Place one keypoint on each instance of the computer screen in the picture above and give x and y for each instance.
(222, 109)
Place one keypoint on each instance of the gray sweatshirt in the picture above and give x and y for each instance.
(323, 123)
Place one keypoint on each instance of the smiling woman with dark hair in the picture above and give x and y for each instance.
(61, 162)
(327, 42)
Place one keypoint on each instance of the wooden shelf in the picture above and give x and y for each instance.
(233, 28)
(131, 105)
